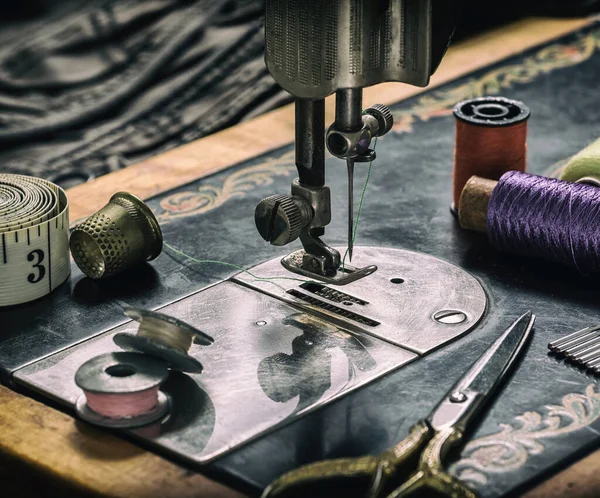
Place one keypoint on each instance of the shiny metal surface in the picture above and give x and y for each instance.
(140, 315)
(350, 167)
(392, 474)
(319, 199)
(581, 347)
(398, 300)
(133, 372)
(590, 353)
(584, 345)
(571, 337)
(314, 48)
(464, 399)
(174, 359)
(573, 340)
(593, 363)
(270, 363)
(308, 265)
(164, 337)
(577, 352)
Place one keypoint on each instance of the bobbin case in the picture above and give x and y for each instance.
(170, 341)
(115, 374)
(122, 234)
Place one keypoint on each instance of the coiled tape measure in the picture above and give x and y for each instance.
(34, 238)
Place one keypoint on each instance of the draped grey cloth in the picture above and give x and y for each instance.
(102, 84)
(90, 86)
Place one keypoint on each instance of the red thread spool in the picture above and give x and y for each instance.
(491, 139)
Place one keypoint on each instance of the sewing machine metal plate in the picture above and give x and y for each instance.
(413, 300)
(272, 362)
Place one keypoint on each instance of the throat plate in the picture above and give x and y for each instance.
(412, 300)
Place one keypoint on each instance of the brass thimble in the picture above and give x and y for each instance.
(122, 234)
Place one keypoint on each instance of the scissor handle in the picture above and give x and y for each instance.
(431, 472)
(397, 457)
(321, 479)
(354, 476)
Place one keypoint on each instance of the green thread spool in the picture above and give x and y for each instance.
(584, 167)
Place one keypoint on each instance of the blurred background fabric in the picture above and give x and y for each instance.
(91, 86)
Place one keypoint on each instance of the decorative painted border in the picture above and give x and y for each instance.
(509, 449)
(440, 103)
(208, 197)
(431, 105)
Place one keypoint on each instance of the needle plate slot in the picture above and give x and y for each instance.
(332, 294)
(333, 309)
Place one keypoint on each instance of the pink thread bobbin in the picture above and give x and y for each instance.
(121, 390)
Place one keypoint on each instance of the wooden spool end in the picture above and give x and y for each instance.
(473, 203)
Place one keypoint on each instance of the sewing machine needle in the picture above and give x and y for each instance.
(350, 164)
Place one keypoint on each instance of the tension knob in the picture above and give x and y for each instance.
(384, 118)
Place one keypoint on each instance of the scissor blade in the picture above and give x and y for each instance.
(468, 394)
(494, 364)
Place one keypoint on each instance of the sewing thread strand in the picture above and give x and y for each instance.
(123, 405)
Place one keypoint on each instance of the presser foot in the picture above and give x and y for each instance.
(301, 263)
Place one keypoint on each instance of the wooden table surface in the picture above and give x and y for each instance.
(44, 452)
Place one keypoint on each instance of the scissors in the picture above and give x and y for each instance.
(427, 444)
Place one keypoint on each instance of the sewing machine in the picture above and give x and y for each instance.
(284, 349)
(315, 49)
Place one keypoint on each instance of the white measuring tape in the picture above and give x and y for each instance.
(34, 238)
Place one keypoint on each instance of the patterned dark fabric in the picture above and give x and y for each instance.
(106, 83)
(90, 86)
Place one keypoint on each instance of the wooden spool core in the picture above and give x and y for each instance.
(473, 203)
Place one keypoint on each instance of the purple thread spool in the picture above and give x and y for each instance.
(546, 218)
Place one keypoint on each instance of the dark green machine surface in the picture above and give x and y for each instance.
(546, 416)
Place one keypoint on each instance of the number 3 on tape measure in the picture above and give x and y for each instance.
(33, 279)
(34, 238)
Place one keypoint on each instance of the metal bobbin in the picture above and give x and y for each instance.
(121, 374)
(122, 234)
(164, 337)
